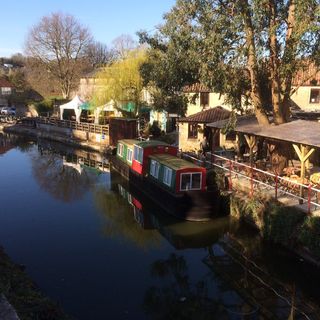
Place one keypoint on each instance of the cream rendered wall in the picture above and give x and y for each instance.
(187, 144)
(215, 99)
(302, 98)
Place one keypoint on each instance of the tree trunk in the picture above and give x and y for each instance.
(255, 94)
(274, 66)
(289, 58)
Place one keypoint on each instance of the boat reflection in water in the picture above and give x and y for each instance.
(180, 233)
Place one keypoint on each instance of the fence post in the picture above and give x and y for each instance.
(230, 175)
(309, 198)
(276, 188)
(251, 181)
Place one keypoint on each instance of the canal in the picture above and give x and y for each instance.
(101, 252)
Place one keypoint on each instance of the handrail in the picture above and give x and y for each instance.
(280, 182)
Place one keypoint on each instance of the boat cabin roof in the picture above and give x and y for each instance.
(129, 142)
(173, 162)
(151, 143)
(143, 144)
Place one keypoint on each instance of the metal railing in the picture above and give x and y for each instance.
(82, 126)
(261, 180)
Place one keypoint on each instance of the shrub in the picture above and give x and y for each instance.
(281, 223)
(309, 235)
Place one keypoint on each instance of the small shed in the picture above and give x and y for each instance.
(122, 128)
(193, 129)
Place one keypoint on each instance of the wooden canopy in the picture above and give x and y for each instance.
(297, 132)
(304, 136)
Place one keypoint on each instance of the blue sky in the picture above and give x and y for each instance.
(107, 19)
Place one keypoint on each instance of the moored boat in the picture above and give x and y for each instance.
(176, 185)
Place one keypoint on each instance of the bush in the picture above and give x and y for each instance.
(309, 235)
(44, 106)
(281, 224)
(47, 104)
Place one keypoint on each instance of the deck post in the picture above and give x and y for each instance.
(304, 155)
(251, 182)
(251, 141)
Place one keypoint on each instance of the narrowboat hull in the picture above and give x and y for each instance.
(189, 205)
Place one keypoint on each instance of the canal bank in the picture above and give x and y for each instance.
(62, 137)
(20, 299)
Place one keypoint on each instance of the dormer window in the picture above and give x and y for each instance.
(204, 99)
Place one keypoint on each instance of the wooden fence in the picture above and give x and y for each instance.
(82, 126)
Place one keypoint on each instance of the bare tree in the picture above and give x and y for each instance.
(60, 42)
(122, 45)
(99, 55)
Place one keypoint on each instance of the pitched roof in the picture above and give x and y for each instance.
(5, 83)
(208, 116)
(195, 88)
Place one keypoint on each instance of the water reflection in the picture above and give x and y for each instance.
(65, 174)
(177, 296)
(8, 142)
(176, 269)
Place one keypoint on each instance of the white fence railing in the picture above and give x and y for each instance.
(261, 180)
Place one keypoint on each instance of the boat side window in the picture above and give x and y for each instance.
(167, 176)
(190, 181)
(138, 154)
(120, 149)
(129, 155)
(154, 168)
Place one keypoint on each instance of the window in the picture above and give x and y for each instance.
(204, 99)
(138, 154)
(154, 168)
(192, 131)
(167, 176)
(315, 96)
(190, 181)
(120, 149)
(6, 90)
(129, 155)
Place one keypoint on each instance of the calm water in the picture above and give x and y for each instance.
(83, 240)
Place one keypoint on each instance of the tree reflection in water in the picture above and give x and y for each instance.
(178, 298)
(63, 180)
(9, 141)
(120, 221)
